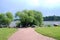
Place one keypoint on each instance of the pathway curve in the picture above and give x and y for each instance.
(28, 34)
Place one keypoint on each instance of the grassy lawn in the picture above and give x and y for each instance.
(53, 32)
(6, 32)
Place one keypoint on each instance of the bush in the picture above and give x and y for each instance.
(18, 24)
(49, 25)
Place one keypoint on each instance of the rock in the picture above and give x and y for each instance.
(55, 24)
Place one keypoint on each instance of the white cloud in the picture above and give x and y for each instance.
(37, 3)
(42, 3)
(33, 2)
(51, 3)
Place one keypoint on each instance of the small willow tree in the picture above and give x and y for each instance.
(30, 17)
(6, 19)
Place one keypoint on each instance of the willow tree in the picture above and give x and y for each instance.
(30, 17)
(5, 19)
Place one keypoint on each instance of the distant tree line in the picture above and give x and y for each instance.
(52, 18)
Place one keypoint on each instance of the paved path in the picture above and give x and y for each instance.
(28, 34)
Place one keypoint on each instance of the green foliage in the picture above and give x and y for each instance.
(18, 24)
(49, 25)
(30, 17)
(2, 16)
(6, 19)
(9, 15)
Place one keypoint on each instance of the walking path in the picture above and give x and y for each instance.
(28, 34)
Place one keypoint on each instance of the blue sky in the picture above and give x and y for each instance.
(47, 7)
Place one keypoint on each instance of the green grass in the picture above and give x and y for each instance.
(53, 32)
(5, 33)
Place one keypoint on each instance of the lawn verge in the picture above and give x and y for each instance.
(6, 32)
(53, 32)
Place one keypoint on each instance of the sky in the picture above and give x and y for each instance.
(47, 7)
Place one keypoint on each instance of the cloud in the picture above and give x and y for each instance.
(43, 3)
(51, 3)
(32, 3)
